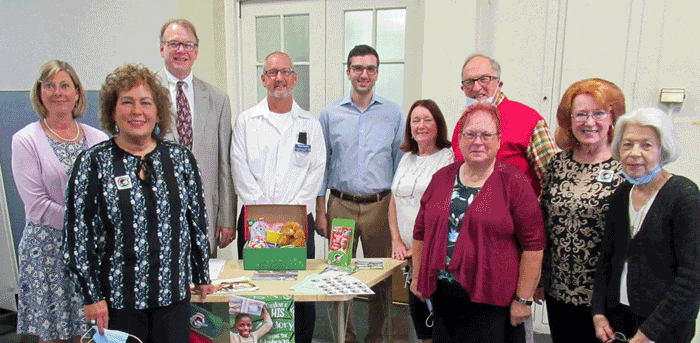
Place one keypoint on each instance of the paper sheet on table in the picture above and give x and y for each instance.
(336, 285)
(216, 266)
(307, 286)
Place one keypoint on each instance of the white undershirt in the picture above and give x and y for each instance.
(636, 220)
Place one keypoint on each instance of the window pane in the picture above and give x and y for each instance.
(389, 83)
(268, 36)
(391, 33)
(262, 91)
(296, 37)
(358, 29)
(301, 90)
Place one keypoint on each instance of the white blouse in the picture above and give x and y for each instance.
(410, 181)
(636, 220)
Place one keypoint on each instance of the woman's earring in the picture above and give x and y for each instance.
(156, 131)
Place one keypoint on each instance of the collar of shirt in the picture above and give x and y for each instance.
(263, 110)
(188, 88)
(347, 101)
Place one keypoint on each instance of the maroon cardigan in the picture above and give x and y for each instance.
(503, 220)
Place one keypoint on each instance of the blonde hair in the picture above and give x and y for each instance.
(49, 70)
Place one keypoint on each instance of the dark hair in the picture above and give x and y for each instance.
(607, 94)
(184, 22)
(409, 144)
(241, 316)
(125, 78)
(362, 50)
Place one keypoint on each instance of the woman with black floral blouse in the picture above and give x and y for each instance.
(135, 218)
(579, 183)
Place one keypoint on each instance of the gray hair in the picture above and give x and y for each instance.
(656, 119)
(494, 65)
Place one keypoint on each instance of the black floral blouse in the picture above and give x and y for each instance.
(136, 243)
(575, 199)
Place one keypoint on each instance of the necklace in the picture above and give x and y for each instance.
(77, 128)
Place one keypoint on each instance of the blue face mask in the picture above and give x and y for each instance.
(491, 100)
(644, 179)
(110, 336)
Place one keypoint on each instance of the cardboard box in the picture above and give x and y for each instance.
(275, 258)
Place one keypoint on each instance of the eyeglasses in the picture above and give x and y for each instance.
(402, 187)
(486, 137)
(620, 337)
(273, 72)
(582, 117)
(484, 80)
(358, 69)
(174, 45)
(47, 86)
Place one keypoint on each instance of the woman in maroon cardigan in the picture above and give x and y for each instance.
(490, 272)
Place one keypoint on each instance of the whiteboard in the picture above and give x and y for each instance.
(8, 271)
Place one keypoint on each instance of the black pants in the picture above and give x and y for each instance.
(304, 313)
(458, 319)
(162, 324)
(623, 320)
(569, 322)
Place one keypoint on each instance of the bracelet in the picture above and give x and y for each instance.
(526, 302)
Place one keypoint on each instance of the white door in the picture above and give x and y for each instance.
(377, 23)
(294, 27)
(318, 36)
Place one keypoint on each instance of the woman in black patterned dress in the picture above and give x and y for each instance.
(135, 216)
(575, 193)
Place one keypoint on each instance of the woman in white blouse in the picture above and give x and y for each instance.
(427, 150)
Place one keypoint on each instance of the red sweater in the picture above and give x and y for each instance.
(517, 124)
(503, 220)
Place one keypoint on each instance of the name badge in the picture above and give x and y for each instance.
(605, 175)
(302, 147)
(123, 182)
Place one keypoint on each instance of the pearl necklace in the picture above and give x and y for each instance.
(77, 128)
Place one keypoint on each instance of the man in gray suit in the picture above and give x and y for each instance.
(203, 124)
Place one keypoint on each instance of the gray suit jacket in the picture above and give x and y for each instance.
(212, 149)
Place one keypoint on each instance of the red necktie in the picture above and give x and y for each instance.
(184, 117)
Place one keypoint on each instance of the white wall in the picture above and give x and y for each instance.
(94, 36)
(448, 37)
(98, 36)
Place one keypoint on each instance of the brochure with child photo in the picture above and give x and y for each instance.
(261, 318)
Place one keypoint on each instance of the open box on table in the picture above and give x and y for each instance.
(274, 258)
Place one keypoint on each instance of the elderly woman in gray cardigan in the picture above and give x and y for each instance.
(647, 282)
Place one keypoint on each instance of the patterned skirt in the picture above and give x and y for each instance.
(49, 305)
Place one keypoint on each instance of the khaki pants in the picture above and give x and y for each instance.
(372, 228)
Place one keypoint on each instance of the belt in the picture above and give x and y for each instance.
(360, 199)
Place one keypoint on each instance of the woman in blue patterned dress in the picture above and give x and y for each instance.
(42, 155)
(135, 216)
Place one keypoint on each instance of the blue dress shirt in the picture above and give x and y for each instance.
(362, 148)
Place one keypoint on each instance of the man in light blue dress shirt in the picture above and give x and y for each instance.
(362, 132)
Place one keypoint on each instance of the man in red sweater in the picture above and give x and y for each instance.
(526, 142)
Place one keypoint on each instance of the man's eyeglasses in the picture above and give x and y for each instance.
(174, 45)
(486, 137)
(582, 117)
(483, 80)
(358, 69)
(273, 72)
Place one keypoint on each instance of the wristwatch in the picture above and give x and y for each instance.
(523, 301)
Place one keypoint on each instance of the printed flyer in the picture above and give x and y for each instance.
(261, 318)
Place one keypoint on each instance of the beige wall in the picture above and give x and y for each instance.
(208, 18)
